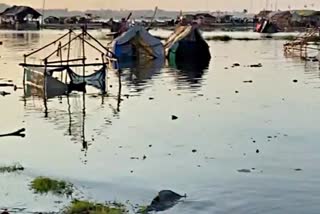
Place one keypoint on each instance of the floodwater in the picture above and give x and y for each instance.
(236, 147)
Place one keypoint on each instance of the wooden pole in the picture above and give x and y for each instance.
(69, 45)
(99, 43)
(83, 53)
(119, 91)
(45, 90)
(63, 46)
(40, 49)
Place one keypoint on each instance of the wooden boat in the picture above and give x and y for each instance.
(186, 44)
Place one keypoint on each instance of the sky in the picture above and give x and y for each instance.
(212, 5)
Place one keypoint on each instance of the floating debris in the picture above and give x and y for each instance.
(244, 170)
(6, 85)
(4, 93)
(5, 212)
(13, 168)
(165, 200)
(259, 65)
(18, 133)
(173, 117)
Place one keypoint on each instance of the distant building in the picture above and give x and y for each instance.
(20, 18)
(206, 18)
(309, 18)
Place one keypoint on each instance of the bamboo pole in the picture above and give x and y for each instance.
(94, 39)
(69, 46)
(83, 53)
(65, 61)
(40, 49)
(63, 46)
(57, 66)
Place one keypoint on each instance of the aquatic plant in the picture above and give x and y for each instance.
(44, 185)
(13, 168)
(143, 210)
(87, 207)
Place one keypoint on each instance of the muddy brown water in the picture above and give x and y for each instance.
(213, 120)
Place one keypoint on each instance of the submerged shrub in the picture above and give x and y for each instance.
(86, 207)
(44, 185)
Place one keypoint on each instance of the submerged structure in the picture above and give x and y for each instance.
(59, 72)
(137, 43)
(306, 46)
(20, 18)
(186, 44)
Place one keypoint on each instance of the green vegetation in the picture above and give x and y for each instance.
(13, 168)
(143, 210)
(43, 185)
(86, 207)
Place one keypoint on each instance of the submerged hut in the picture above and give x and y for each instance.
(20, 18)
(137, 43)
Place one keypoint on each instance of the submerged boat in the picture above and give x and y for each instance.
(265, 26)
(137, 43)
(187, 43)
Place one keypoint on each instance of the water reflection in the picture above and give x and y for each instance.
(189, 73)
(137, 75)
(20, 40)
(69, 113)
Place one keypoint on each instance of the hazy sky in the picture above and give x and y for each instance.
(169, 4)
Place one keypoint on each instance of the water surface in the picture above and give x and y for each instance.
(219, 116)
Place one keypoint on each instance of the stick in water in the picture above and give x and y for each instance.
(18, 133)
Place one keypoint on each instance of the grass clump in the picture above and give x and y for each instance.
(44, 185)
(13, 168)
(143, 210)
(86, 207)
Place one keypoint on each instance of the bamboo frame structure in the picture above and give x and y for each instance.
(309, 41)
(109, 55)
(48, 63)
